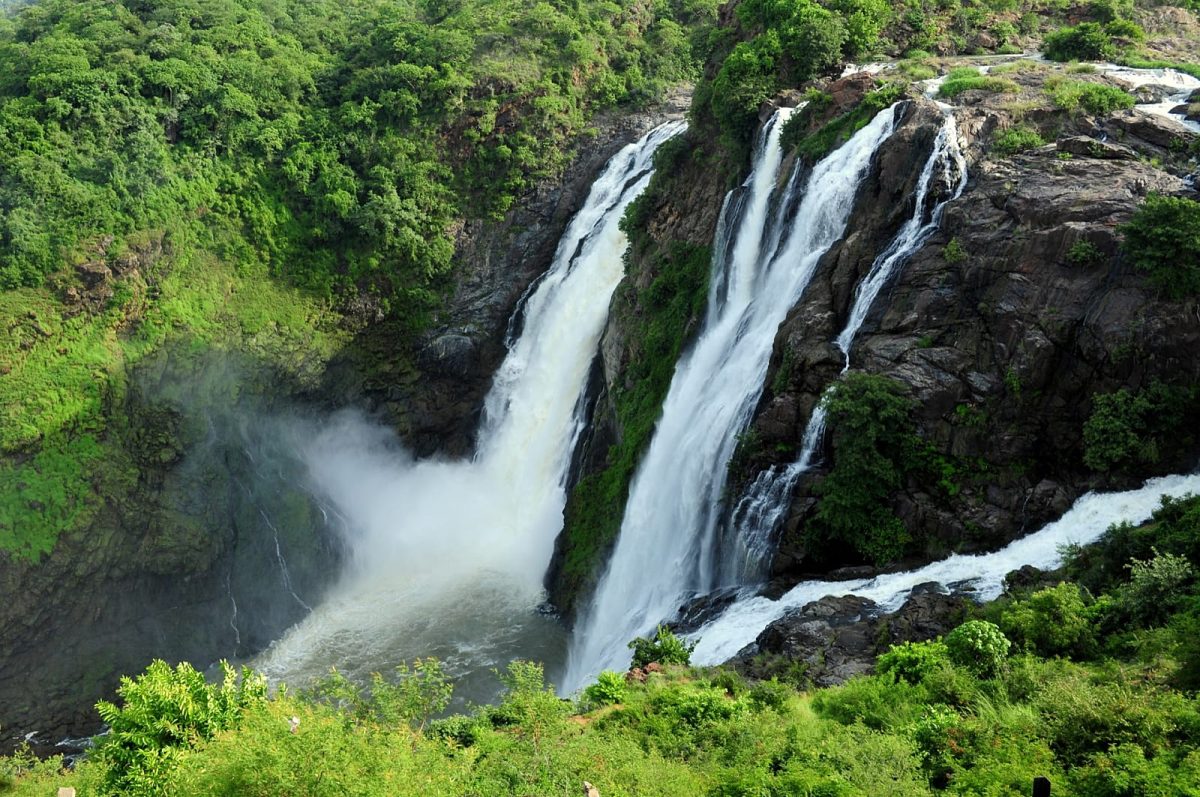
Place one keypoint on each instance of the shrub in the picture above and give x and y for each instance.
(770, 694)
(979, 646)
(1163, 241)
(1129, 429)
(953, 252)
(1084, 253)
(664, 647)
(162, 711)
(912, 661)
(874, 447)
(608, 689)
(968, 79)
(1096, 98)
(1157, 588)
(1085, 42)
(1055, 621)
(1018, 139)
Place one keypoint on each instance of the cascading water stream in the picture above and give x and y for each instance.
(667, 543)
(447, 557)
(741, 623)
(761, 510)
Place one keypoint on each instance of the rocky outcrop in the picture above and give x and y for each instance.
(1002, 327)
(836, 638)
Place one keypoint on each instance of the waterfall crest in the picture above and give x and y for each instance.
(447, 557)
(667, 546)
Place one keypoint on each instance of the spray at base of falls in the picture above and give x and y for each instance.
(447, 558)
(761, 511)
(668, 546)
(1083, 523)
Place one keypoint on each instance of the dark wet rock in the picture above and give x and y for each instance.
(1087, 147)
(694, 614)
(837, 638)
(1151, 93)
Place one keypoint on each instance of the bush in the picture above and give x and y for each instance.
(874, 447)
(1018, 139)
(164, 710)
(1055, 621)
(1087, 41)
(1096, 98)
(1157, 588)
(609, 689)
(953, 252)
(664, 647)
(979, 646)
(912, 661)
(1163, 241)
(1128, 429)
(966, 79)
(1084, 253)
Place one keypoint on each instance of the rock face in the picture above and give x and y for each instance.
(1003, 338)
(837, 638)
(434, 395)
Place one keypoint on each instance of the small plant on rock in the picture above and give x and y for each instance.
(608, 690)
(664, 647)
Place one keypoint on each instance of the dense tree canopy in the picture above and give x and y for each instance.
(336, 141)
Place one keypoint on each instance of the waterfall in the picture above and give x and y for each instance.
(667, 543)
(447, 557)
(760, 512)
(742, 622)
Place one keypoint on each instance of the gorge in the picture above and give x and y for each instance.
(699, 355)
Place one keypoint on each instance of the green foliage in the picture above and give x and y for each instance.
(874, 448)
(1084, 253)
(1096, 98)
(1018, 139)
(1087, 41)
(415, 696)
(979, 646)
(1127, 430)
(748, 76)
(1056, 621)
(966, 79)
(815, 144)
(164, 711)
(675, 296)
(1163, 241)
(912, 661)
(953, 252)
(336, 142)
(664, 647)
(1157, 588)
(608, 689)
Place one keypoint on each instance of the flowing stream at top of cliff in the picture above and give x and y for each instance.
(447, 558)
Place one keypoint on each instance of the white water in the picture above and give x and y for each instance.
(761, 510)
(1183, 83)
(668, 538)
(447, 558)
(1083, 523)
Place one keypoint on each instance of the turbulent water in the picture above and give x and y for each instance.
(668, 545)
(739, 625)
(447, 558)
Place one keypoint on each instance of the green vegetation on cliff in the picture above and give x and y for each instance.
(234, 175)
